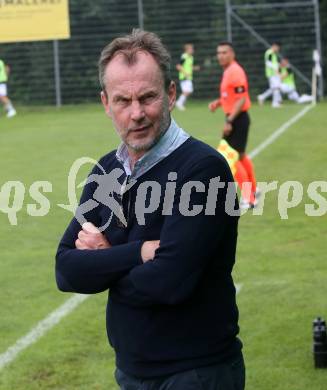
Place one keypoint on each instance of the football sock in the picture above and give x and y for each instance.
(248, 166)
(181, 100)
(244, 182)
(9, 107)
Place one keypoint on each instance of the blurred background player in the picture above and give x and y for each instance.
(4, 72)
(235, 102)
(185, 68)
(273, 76)
(288, 86)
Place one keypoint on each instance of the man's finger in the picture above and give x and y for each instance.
(88, 227)
(80, 245)
(82, 235)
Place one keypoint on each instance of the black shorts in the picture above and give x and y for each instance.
(237, 139)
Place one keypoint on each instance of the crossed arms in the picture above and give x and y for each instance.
(143, 273)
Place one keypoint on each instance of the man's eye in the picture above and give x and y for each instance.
(148, 99)
(122, 101)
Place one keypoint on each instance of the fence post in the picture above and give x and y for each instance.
(56, 63)
(318, 46)
(228, 20)
(140, 14)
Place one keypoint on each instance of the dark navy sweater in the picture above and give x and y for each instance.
(178, 311)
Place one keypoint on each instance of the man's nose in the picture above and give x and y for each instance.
(137, 111)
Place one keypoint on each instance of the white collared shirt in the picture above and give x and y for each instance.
(174, 137)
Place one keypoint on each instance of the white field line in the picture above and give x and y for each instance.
(277, 133)
(41, 328)
(55, 317)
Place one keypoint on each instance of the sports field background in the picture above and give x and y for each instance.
(281, 264)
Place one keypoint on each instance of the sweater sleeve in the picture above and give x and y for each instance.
(92, 271)
(187, 244)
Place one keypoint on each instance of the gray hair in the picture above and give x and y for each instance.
(129, 45)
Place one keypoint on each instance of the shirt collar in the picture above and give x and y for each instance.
(170, 141)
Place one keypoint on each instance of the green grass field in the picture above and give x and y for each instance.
(281, 263)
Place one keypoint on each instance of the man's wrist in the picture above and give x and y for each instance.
(229, 120)
(214, 105)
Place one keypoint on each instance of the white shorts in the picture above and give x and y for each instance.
(285, 88)
(274, 82)
(186, 86)
(3, 89)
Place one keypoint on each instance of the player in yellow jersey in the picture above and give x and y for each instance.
(288, 86)
(4, 72)
(273, 76)
(185, 68)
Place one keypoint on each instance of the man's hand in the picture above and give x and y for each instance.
(90, 237)
(148, 250)
(227, 128)
(214, 105)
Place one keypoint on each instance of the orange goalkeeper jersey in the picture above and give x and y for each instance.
(233, 86)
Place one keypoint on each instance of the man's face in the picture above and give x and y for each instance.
(189, 49)
(275, 48)
(137, 101)
(225, 55)
(284, 63)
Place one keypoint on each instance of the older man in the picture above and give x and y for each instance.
(167, 258)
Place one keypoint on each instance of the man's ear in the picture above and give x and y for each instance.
(171, 95)
(105, 102)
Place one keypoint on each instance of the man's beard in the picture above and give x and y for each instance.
(163, 127)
